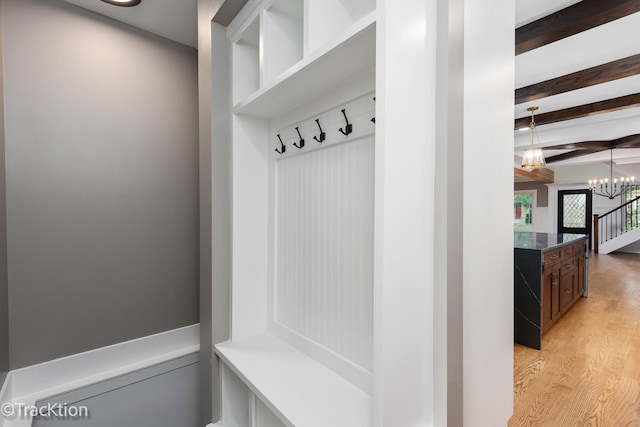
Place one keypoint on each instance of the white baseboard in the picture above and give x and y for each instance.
(45, 380)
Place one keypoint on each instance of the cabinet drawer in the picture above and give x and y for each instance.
(551, 257)
(568, 251)
(568, 265)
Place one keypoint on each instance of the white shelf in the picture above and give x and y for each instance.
(352, 53)
(296, 388)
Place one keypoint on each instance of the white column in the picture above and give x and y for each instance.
(404, 254)
(487, 218)
(467, 228)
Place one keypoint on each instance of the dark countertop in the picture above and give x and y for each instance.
(543, 241)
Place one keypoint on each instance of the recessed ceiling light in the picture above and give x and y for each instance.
(124, 3)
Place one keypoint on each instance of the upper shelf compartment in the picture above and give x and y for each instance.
(283, 39)
(246, 62)
(349, 54)
(327, 18)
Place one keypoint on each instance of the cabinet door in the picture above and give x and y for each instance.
(556, 308)
(550, 297)
(567, 284)
(580, 273)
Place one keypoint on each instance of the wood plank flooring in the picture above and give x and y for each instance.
(588, 372)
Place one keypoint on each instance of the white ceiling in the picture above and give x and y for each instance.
(614, 40)
(528, 11)
(173, 19)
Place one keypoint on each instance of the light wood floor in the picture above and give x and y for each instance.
(588, 372)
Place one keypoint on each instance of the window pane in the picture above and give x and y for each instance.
(523, 210)
(575, 211)
(632, 219)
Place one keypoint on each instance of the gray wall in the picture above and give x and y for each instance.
(161, 396)
(542, 194)
(4, 302)
(102, 181)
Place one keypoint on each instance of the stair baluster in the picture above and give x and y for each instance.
(606, 226)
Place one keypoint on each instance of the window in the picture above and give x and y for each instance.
(632, 211)
(523, 206)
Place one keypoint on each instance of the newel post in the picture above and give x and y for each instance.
(596, 238)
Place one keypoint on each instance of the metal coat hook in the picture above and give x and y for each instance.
(348, 128)
(300, 143)
(283, 147)
(374, 119)
(323, 135)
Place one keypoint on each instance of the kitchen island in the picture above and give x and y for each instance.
(550, 276)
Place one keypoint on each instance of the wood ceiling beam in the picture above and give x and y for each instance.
(573, 154)
(586, 110)
(614, 70)
(545, 176)
(590, 147)
(631, 141)
(584, 145)
(571, 20)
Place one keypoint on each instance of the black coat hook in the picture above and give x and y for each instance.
(374, 119)
(300, 143)
(348, 128)
(283, 147)
(323, 135)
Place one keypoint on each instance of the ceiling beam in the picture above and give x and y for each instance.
(571, 20)
(631, 141)
(584, 145)
(586, 110)
(544, 175)
(573, 154)
(614, 70)
(590, 147)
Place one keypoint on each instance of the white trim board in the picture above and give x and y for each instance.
(45, 380)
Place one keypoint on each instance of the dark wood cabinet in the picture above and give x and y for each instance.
(549, 280)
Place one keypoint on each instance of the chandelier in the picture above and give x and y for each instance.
(533, 158)
(609, 187)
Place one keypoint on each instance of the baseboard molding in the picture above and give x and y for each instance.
(38, 382)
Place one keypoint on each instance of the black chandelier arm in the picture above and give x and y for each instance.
(626, 183)
(611, 194)
(606, 194)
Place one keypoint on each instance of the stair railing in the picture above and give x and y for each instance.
(616, 222)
